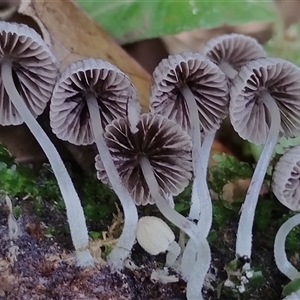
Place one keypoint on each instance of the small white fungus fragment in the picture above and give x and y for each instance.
(244, 279)
(228, 283)
(162, 275)
(241, 288)
(249, 274)
(129, 264)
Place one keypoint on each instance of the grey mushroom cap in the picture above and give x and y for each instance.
(207, 82)
(249, 115)
(69, 114)
(286, 179)
(233, 49)
(34, 69)
(167, 147)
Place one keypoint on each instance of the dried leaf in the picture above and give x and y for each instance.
(195, 39)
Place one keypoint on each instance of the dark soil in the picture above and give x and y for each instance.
(223, 249)
(38, 267)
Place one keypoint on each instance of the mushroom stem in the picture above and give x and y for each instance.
(208, 140)
(173, 216)
(228, 70)
(205, 205)
(195, 265)
(200, 193)
(13, 228)
(205, 221)
(244, 233)
(127, 238)
(174, 251)
(281, 259)
(195, 126)
(198, 258)
(74, 209)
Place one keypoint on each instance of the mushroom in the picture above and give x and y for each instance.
(281, 259)
(232, 51)
(28, 75)
(291, 290)
(154, 162)
(191, 90)
(90, 94)
(286, 188)
(14, 230)
(265, 101)
(155, 236)
(286, 179)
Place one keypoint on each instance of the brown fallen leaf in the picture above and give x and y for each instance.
(195, 39)
(237, 190)
(290, 16)
(232, 191)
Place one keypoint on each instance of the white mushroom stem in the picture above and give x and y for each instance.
(174, 251)
(200, 187)
(74, 209)
(195, 265)
(161, 202)
(13, 227)
(196, 256)
(205, 222)
(195, 126)
(204, 204)
(228, 70)
(244, 233)
(281, 259)
(126, 240)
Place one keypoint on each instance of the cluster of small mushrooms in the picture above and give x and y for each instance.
(149, 158)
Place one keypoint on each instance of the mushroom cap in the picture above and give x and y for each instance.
(154, 235)
(249, 115)
(34, 70)
(162, 141)
(233, 49)
(207, 82)
(286, 179)
(69, 114)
